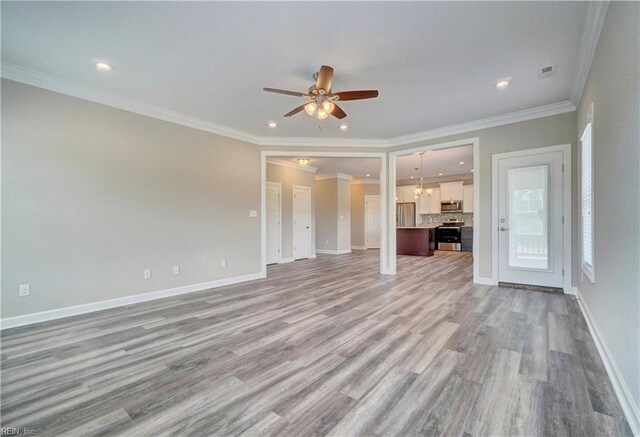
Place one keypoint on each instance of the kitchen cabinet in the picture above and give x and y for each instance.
(466, 239)
(467, 199)
(451, 191)
(405, 193)
(430, 204)
(416, 241)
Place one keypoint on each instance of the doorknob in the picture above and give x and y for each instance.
(504, 229)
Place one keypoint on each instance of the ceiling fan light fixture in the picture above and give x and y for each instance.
(322, 114)
(310, 108)
(328, 106)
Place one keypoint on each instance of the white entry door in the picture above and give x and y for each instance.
(301, 222)
(530, 222)
(273, 222)
(372, 222)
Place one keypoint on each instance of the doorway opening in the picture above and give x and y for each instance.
(331, 203)
(436, 202)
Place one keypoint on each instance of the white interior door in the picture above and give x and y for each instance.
(274, 211)
(301, 222)
(372, 222)
(530, 223)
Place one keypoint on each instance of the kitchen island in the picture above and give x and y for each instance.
(417, 241)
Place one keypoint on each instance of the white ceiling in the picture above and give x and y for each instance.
(359, 168)
(434, 62)
(445, 161)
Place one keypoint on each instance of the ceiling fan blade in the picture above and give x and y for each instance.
(325, 77)
(294, 111)
(289, 93)
(356, 95)
(338, 112)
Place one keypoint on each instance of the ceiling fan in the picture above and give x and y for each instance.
(322, 98)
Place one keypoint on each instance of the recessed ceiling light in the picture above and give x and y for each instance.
(344, 127)
(411, 177)
(502, 84)
(273, 124)
(303, 161)
(368, 175)
(461, 163)
(101, 66)
(471, 170)
(440, 174)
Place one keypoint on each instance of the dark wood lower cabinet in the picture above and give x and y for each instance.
(466, 239)
(416, 241)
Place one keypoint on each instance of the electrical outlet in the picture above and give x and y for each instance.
(253, 213)
(25, 289)
(176, 270)
(223, 263)
(147, 274)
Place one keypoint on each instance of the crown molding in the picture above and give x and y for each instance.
(284, 163)
(485, 123)
(363, 182)
(41, 80)
(322, 142)
(590, 36)
(334, 176)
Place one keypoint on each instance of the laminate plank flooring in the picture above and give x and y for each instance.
(322, 347)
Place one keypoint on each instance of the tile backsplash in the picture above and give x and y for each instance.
(436, 219)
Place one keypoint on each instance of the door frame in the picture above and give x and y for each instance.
(477, 206)
(278, 185)
(385, 257)
(567, 251)
(370, 196)
(312, 254)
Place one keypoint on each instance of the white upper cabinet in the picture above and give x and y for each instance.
(430, 204)
(451, 191)
(406, 193)
(467, 200)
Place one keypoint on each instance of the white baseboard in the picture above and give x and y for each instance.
(44, 316)
(484, 281)
(358, 248)
(286, 260)
(333, 252)
(623, 393)
(313, 255)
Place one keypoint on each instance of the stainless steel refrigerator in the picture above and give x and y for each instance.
(405, 214)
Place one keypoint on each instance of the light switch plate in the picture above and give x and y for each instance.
(25, 289)
(176, 270)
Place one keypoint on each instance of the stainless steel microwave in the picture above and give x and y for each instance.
(451, 206)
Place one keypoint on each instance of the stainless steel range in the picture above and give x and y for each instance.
(448, 235)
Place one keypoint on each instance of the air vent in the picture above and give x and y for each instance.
(548, 71)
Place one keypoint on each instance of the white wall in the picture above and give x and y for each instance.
(326, 214)
(92, 196)
(333, 214)
(613, 86)
(344, 214)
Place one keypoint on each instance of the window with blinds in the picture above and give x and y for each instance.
(586, 145)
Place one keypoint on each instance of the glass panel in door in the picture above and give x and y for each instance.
(528, 217)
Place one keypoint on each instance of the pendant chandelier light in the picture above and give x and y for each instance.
(420, 192)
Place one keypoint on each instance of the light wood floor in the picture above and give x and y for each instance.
(325, 346)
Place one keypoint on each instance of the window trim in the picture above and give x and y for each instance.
(588, 269)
